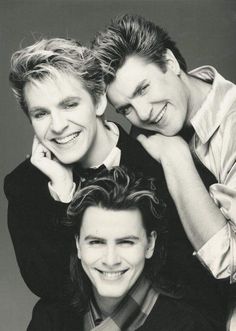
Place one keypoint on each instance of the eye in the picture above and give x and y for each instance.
(125, 111)
(71, 105)
(38, 114)
(95, 242)
(143, 89)
(126, 242)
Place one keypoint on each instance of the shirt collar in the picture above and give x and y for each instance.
(208, 118)
(113, 158)
(95, 313)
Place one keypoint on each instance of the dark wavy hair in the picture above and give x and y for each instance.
(133, 35)
(116, 189)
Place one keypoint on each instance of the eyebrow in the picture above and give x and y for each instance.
(91, 237)
(68, 99)
(35, 109)
(140, 84)
(133, 95)
(60, 104)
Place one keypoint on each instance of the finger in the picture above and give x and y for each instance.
(35, 144)
(145, 142)
(47, 153)
(39, 152)
(141, 138)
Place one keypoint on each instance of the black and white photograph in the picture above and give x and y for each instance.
(118, 165)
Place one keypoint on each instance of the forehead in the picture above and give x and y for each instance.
(109, 224)
(134, 70)
(133, 67)
(54, 87)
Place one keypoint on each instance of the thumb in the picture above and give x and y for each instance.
(144, 141)
(150, 146)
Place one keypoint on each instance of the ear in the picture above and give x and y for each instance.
(101, 105)
(172, 63)
(151, 245)
(77, 246)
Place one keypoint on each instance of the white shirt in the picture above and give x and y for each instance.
(214, 142)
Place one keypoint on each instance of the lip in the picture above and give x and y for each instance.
(160, 115)
(111, 275)
(66, 139)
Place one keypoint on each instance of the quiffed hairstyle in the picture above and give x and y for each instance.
(47, 57)
(116, 189)
(133, 35)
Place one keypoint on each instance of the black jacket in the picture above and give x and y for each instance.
(42, 245)
(168, 314)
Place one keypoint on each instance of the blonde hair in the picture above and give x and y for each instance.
(47, 57)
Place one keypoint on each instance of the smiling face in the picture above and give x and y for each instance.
(113, 246)
(64, 117)
(148, 97)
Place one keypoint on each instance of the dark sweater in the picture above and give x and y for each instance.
(42, 244)
(168, 314)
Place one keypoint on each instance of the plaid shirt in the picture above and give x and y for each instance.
(131, 312)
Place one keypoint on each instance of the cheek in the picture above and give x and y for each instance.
(90, 256)
(84, 115)
(40, 128)
(135, 257)
(179, 94)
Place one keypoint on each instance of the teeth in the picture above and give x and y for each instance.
(159, 117)
(111, 275)
(65, 140)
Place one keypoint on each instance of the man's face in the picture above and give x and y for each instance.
(148, 97)
(63, 116)
(112, 247)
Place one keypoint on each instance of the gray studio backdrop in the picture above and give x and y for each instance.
(205, 32)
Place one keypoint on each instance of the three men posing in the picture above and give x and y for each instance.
(60, 87)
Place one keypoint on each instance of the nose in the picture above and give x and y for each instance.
(58, 122)
(143, 110)
(111, 257)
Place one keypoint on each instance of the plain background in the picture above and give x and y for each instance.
(205, 32)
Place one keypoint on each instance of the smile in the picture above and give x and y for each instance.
(161, 114)
(67, 139)
(111, 275)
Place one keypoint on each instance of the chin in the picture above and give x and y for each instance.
(68, 159)
(112, 293)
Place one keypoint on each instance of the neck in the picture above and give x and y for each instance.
(104, 141)
(106, 304)
(198, 91)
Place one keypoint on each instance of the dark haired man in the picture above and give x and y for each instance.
(192, 117)
(118, 223)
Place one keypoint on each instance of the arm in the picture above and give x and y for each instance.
(46, 316)
(41, 245)
(200, 216)
(61, 186)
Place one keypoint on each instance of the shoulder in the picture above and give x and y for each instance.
(174, 314)
(53, 316)
(134, 156)
(24, 178)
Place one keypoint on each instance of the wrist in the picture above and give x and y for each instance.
(63, 195)
(178, 168)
